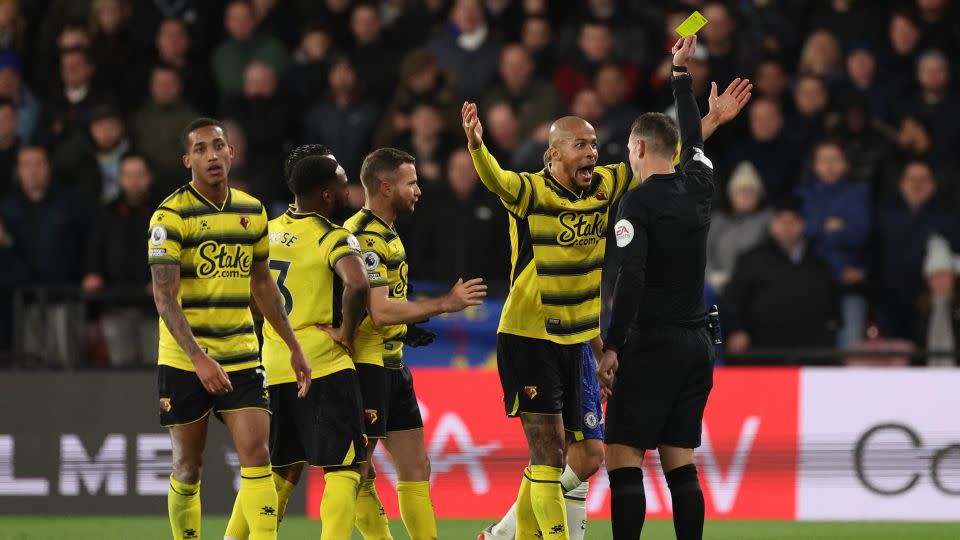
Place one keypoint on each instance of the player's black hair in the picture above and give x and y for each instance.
(380, 163)
(300, 152)
(312, 173)
(195, 125)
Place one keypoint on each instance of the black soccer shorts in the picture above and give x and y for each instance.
(373, 389)
(403, 412)
(540, 376)
(661, 388)
(184, 400)
(324, 428)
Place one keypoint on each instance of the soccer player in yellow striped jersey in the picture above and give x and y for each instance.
(389, 178)
(557, 226)
(319, 273)
(208, 253)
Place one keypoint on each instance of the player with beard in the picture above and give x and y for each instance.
(325, 290)
(558, 221)
(389, 178)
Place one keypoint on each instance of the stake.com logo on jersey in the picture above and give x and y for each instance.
(746, 463)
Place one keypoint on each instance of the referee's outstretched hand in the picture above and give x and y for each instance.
(463, 294)
(471, 125)
(607, 368)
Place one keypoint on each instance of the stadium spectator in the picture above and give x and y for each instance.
(112, 49)
(89, 163)
(862, 83)
(837, 215)
(421, 80)
(468, 49)
(937, 26)
(68, 112)
(865, 146)
(936, 107)
(594, 50)
(429, 143)
(173, 48)
(412, 24)
(738, 230)
(781, 295)
(201, 19)
(850, 21)
(115, 265)
(900, 58)
(810, 101)
(767, 147)
(9, 145)
(276, 19)
(900, 240)
(13, 28)
(243, 46)
(71, 34)
(335, 15)
(307, 77)
(344, 121)
(730, 54)
(537, 37)
(504, 139)
(771, 81)
(156, 127)
(374, 58)
(535, 100)
(939, 324)
(619, 113)
(587, 105)
(822, 56)
(266, 117)
(28, 106)
(461, 209)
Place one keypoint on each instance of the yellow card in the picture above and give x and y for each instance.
(692, 25)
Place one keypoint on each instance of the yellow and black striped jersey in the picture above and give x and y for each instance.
(558, 240)
(215, 248)
(385, 261)
(304, 248)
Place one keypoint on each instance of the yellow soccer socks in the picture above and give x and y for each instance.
(258, 501)
(546, 498)
(371, 517)
(339, 504)
(416, 509)
(183, 505)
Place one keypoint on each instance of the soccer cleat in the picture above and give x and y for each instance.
(487, 534)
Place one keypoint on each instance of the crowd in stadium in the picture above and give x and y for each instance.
(841, 192)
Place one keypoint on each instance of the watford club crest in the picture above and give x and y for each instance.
(244, 221)
(530, 391)
(601, 195)
(371, 415)
(165, 404)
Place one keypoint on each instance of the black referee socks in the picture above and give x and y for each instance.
(628, 503)
(687, 502)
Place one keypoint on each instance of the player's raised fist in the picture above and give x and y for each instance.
(471, 125)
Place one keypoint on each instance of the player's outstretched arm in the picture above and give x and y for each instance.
(268, 299)
(356, 292)
(386, 312)
(166, 286)
(726, 106)
(505, 184)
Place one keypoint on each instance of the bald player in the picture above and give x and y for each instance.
(550, 325)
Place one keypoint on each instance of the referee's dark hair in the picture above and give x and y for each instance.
(381, 163)
(312, 173)
(197, 124)
(659, 131)
(300, 152)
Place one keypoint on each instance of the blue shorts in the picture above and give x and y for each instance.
(590, 399)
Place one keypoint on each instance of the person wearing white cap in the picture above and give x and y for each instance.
(943, 308)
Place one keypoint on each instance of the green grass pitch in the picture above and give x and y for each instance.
(156, 528)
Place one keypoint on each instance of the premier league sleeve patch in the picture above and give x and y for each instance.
(158, 235)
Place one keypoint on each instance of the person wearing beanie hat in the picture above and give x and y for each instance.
(940, 309)
(742, 227)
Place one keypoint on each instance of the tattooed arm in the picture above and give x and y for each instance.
(268, 299)
(166, 285)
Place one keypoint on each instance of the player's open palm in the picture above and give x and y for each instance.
(471, 125)
(465, 294)
(211, 374)
(728, 105)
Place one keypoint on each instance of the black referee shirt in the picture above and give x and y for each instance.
(661, 234)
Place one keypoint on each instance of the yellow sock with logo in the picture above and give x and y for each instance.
(546, 498)
(371, 517)
(237, 526)
(416, 510)
(183, 505)
(284, 489)
(527, 527)
(258, 500)
(338, 507)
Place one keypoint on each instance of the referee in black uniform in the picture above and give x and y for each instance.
(658, 356)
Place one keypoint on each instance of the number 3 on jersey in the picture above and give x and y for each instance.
(283, 267)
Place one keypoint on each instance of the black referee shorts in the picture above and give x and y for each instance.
(661, 388)
(542, 377)
(323, 429)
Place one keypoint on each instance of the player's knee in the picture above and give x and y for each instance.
(416, 469)
(683, 478)
(548, 455)
(254, 455)
(186, 469)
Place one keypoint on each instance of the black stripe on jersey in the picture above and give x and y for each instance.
(568, 299)
(237, 358)
(340, 243)
(574, 328)
(337, 301)
(365, 221)
(229, 239)
(168, 209)
(204, 211)
(188, 272)
(524, 248)
(221, 331)
(203, 200)
(568, 269)
(221, 302)
(541, 210)
(393, 264)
